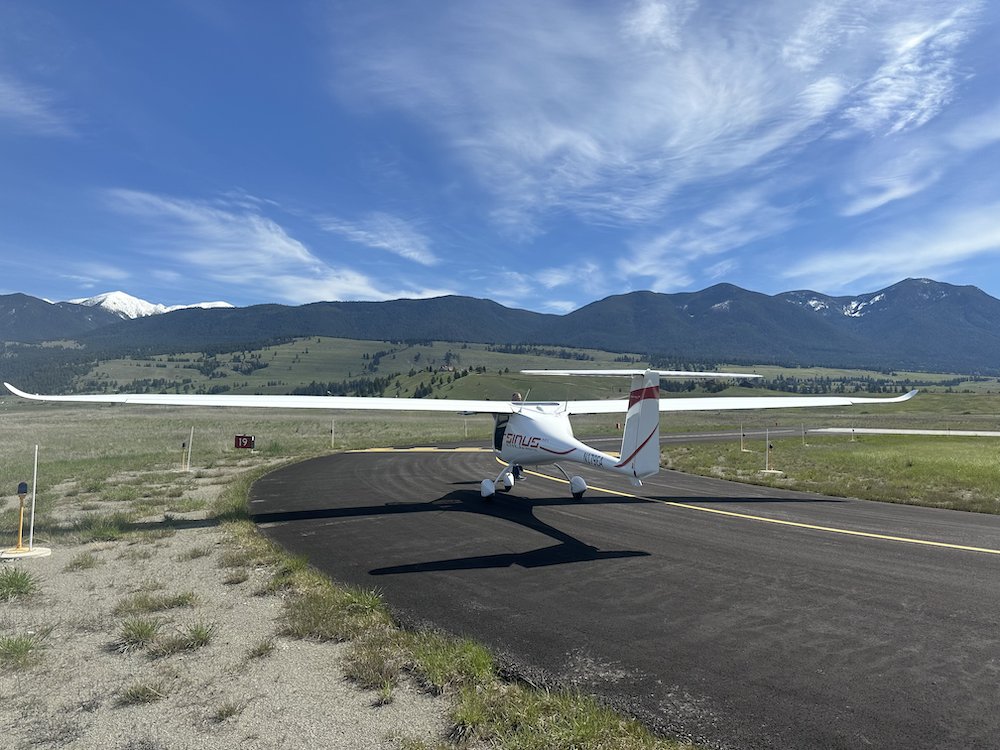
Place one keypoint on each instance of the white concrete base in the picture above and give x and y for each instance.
(17, 554)
(772, 472)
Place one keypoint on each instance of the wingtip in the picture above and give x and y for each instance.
(17, 391)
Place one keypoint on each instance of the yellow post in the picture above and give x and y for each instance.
(20, 527)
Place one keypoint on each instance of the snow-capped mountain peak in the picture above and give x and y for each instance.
(127, 306)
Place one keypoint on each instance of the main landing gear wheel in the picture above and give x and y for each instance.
(487, 489)
(577, 486)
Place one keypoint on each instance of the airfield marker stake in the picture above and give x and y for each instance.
(190, 442)
(34, 485)
(333, 432)
(767, 449)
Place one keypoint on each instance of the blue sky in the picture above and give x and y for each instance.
(540, 154)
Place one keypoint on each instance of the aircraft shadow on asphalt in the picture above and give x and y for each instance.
(521, 511)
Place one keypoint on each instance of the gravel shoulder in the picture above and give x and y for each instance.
(248, 687)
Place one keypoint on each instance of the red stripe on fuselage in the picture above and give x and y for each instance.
(641, 394)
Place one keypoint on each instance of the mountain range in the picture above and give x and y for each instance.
(128, 307)
(916, 324)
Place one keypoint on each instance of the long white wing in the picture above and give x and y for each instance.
(285, 402)
(726, 403)
(610, 406)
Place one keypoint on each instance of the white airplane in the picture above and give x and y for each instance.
(528, 433)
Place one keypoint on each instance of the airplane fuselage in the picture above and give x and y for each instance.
(539, 436)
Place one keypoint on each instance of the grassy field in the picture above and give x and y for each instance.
(325, 360)
(494, 371)
(940, 472)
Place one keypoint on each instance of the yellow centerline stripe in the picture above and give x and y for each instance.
(421, 449)
(701, 509)
(781, 522)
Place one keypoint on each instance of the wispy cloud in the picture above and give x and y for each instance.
(559, 306)
(924, 249)
(891, 170)
(977, 131)
(91, 274)
(557, 108)
(582, 275)
(899, 174)
(235, 244)
(608, 112)
(31, 109)
(383, 231)
(670, 258)
(917, 76)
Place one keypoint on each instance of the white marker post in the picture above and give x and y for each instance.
(767, 455)
(34, 484)
(190, 443)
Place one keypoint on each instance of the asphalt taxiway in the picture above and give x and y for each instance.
(733, 615)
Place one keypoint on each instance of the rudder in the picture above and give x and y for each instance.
(640, 455)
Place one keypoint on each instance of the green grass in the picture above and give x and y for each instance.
(190, 638)
(287, 572)
(444, 662)
(193, 554)
(515, 717)
(139, 693)
(326, 613)
(377, 657)
(17, 583)
(82, 561)
(102, 527)
(261, 649)
(324, 359)
(940, 472)
(121, 493)
(145, 602)
(21, 652)
(137, 634)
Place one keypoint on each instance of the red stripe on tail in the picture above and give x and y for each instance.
(641, 394)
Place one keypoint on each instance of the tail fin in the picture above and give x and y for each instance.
(640, 456)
